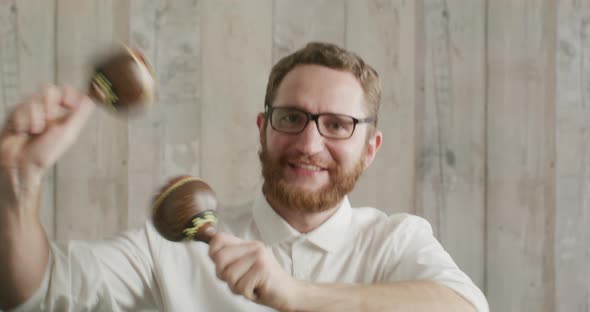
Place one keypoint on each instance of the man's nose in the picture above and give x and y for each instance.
(310, 141)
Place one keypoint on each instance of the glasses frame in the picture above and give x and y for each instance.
(315, 118)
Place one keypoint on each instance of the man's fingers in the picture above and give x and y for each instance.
(51, 98)
(246, 285)
(71, 98)
(221, 240)
(18, 120)
(229, 254)
(235, 271)
(240, 265)
(37, 112)
(36, 116)
(78, 113)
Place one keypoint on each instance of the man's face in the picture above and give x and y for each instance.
(306, 171)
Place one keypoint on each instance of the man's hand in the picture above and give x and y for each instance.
(40, 129)
(250, 270)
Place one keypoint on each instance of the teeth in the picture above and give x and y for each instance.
(308, 167)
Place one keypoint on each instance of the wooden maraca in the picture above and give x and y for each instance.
(184, 209)
(123, 81)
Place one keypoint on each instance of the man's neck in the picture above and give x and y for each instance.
(303, 222)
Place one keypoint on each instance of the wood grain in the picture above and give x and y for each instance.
(572, 166)
(295, 23)
(520, 157)
(450, 126)
(383, 33)
(236, 60)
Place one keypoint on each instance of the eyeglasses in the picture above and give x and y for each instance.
(293, 121)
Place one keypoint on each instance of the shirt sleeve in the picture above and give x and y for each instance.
(418, 255)
(110, 275)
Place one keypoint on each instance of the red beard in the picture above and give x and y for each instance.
(278, 190)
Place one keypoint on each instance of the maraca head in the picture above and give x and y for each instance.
(184, 209)
(124, 81)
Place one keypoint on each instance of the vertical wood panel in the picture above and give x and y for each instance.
(296, 23)
(27, 59)
(450, 123)
(165, 141)
(91, 180)
(236, 59)
(383, 33)
(520, 194)
(572, 233)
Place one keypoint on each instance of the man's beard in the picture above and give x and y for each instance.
(278, 190)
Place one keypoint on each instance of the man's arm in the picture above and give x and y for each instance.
(251, 271)
(33, 137)
(415, 296)
(24, 245)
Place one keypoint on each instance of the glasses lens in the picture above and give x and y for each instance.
(336, 126)
(288, 120)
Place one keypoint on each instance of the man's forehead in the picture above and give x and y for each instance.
(315, 88)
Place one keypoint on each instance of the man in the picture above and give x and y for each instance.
(300, 247)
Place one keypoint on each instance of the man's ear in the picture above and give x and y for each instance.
(260, 120)
(372, 146)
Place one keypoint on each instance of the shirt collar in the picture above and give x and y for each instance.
(274, 229)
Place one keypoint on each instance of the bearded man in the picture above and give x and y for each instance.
(299, 247)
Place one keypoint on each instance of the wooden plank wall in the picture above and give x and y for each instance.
(520, 155)
(485, 115)
(572, 159)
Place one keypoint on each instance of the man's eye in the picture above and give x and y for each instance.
(334, 125)
(291, 118)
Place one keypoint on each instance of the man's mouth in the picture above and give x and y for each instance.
(309, 167)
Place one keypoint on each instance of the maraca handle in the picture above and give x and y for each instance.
(202, 227)
(100, 91)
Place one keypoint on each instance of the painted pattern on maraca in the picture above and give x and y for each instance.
(124, 81)
(184, 209)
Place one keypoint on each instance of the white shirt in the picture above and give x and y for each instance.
(140, 270)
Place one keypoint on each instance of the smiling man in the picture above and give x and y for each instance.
(299, 247)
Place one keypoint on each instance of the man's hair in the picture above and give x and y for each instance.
(332, 56)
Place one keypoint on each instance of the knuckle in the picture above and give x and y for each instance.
(51, 96)
(259, 264)
(223, 275)
(227, 276)
(50, 90)
(259, 250)
(19, 119)
(213, 244)
(216, 257)
(234, 289)
(238, 290)
(219, 273)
